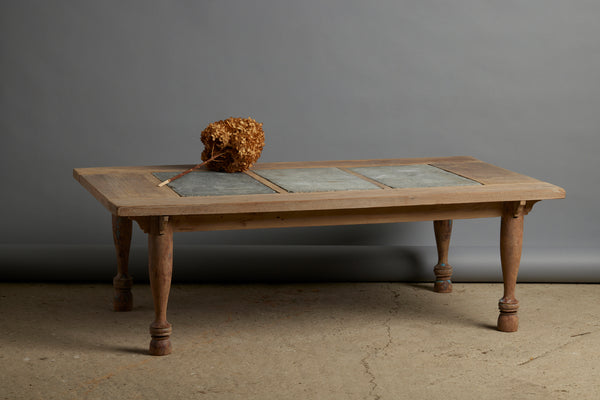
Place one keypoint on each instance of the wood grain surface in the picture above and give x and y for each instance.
(133, 191)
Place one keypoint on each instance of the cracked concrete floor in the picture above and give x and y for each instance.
(306, 341)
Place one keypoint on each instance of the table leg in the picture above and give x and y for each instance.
(160, 267)
(511, 243)
(122, 282)
(443, 270)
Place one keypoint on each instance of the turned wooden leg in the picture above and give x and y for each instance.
(511, 243)
(122, 282)
(160, 266)
(443, 270)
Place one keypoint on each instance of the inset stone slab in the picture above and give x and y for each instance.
(302, 180)
(211, 183)
(413, 176)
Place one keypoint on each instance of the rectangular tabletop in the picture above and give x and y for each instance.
(313, 187)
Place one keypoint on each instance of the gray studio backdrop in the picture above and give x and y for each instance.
(100, 83)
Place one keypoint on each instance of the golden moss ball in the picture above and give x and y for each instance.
(239, 140)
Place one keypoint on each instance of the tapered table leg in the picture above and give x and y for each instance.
(443, 270)
(122, 282)
(160, 266)
(511, 243)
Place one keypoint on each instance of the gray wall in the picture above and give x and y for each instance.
(99, 83)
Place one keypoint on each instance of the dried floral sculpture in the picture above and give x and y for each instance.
(230, 145)
(238, 141)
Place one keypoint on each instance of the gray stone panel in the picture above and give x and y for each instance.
(302, 180)
(211, 183)
(413, 176)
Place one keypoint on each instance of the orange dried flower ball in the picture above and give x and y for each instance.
(239, 141)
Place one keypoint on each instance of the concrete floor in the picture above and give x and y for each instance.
(301, 341)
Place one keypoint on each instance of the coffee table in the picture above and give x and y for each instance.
(294, 194)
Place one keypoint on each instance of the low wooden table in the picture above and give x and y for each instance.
(296, 194)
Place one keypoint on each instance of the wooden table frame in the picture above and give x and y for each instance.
(131, 194)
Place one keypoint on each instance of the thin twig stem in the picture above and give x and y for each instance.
(187, 171)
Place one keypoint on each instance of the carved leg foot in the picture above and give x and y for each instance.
(160, 266)
(160, 345)
(511, 244)
(508, 320)
(123, 299)
(443, 270)
(122, 282)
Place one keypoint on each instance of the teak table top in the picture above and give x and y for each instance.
(133, 191)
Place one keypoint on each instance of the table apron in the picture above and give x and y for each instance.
(237, 221)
